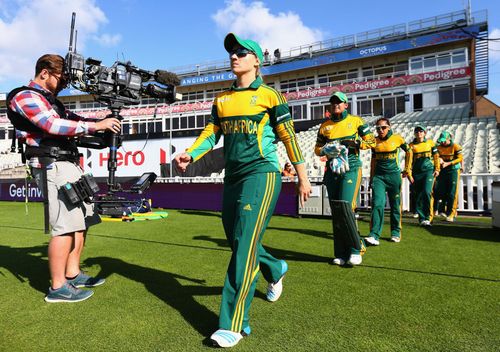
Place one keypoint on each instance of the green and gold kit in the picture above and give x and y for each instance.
(451, 153)
(250, 120)
(425, 156)
(385, 155)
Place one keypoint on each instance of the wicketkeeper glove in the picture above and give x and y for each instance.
(331, 150)
(340, 164)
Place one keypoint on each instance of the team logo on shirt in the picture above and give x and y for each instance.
(253, 101)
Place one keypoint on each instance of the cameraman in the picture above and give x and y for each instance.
(48, 130)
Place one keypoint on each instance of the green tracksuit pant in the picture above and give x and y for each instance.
(422, 188)
(446, 191)
(343, 187)
(248, 204)
(390, 183)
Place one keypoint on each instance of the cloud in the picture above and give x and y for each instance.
(30, 29)
(494, 45)
(271, 31)
(108, 40)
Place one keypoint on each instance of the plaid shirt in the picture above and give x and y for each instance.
(33, 106)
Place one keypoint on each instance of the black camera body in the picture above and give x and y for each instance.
(120, 84)
(116, 86)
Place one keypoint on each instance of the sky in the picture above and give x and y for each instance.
(167, 35)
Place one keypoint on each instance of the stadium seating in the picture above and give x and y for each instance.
(479, 137)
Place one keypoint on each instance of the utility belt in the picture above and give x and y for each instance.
(55, 153)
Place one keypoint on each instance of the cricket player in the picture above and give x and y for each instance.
(447, 183)
(340, 140)
(425, 169)
(386, 177)
(251, 116)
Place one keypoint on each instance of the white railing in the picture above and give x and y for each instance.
(474, 193)
(449, 20)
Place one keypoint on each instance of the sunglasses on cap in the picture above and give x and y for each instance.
(382, 127)
(241, 52)
(417, 130)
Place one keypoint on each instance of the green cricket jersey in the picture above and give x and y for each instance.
(250, 119)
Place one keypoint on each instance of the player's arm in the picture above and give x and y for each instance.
(34, 107)
(203, 144)
(435, 158)
(367, 138)
(408, 158)
(459, 157)
(281, 118)
(207, 139)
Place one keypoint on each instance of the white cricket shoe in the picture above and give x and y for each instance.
(395, 239)
(338, 261)
(372, 241)
(425, 223)
(450, 218)
(274, 289)
(355, 259)
(225, 338)
(415, 215)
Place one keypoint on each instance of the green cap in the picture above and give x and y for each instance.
(340, 96)
(232, 39)
(420, 126)
(444, 136)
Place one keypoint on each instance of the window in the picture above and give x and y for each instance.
(439, 61)
(454, 95)
(192, 122)
(298, 112)
(212, 93)
(429, 62)
(416, 64)
(458, 56)
(387, 104)
(295, 84)
(461, 94)
(91, 105)
(193, 96)
(318, 111)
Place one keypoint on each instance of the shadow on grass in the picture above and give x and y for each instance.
(278, 253)
(431, 273)
(314, 233)
(22, 228)
(464, 232)
(160, 242)
(201, 213)
(166, 286)
(27, 264)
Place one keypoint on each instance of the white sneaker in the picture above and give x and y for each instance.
(450, 218)
(372, 241)
(338, 261)
(443, 215)
(355, 259)
(425, 223)
(225, 338)
(415, 216)
(274, 289)
(395, 239)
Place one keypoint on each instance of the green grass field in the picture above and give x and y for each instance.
(437, 290)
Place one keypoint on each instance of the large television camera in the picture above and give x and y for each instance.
(116, 86)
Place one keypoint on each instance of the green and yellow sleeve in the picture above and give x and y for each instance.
(208, 137)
